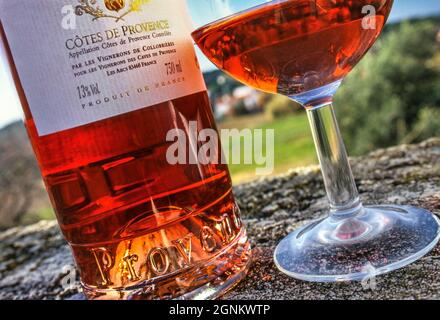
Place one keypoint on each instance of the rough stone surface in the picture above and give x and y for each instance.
(33, 259)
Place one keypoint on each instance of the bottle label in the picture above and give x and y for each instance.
(81, 61)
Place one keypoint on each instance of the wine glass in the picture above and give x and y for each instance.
(303, 49)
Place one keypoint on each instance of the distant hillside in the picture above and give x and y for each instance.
(392, 26)
(23, 198)
(220, 83)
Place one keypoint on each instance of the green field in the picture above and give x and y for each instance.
(293, 143)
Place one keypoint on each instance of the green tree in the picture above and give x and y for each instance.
(393, 96)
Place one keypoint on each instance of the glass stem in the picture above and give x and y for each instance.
(338, 177)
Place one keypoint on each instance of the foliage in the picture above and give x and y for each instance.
(279, 106)
(393, 96)
(240, 108)
(219, 83)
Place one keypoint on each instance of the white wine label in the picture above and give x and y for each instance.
(81, 61)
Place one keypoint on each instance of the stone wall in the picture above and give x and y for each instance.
(32, 258)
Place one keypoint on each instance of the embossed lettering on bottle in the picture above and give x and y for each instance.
(173, 255)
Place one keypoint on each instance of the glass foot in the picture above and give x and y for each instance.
(378, 240)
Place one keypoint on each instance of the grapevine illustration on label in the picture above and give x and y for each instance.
(91, 7)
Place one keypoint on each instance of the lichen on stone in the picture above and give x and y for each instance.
(33, 259)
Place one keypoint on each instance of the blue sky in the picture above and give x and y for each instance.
(10, 109)
(402, 9)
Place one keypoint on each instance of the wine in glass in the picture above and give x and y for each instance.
(303, 49)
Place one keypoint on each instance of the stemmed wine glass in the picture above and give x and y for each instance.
(303, 49)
